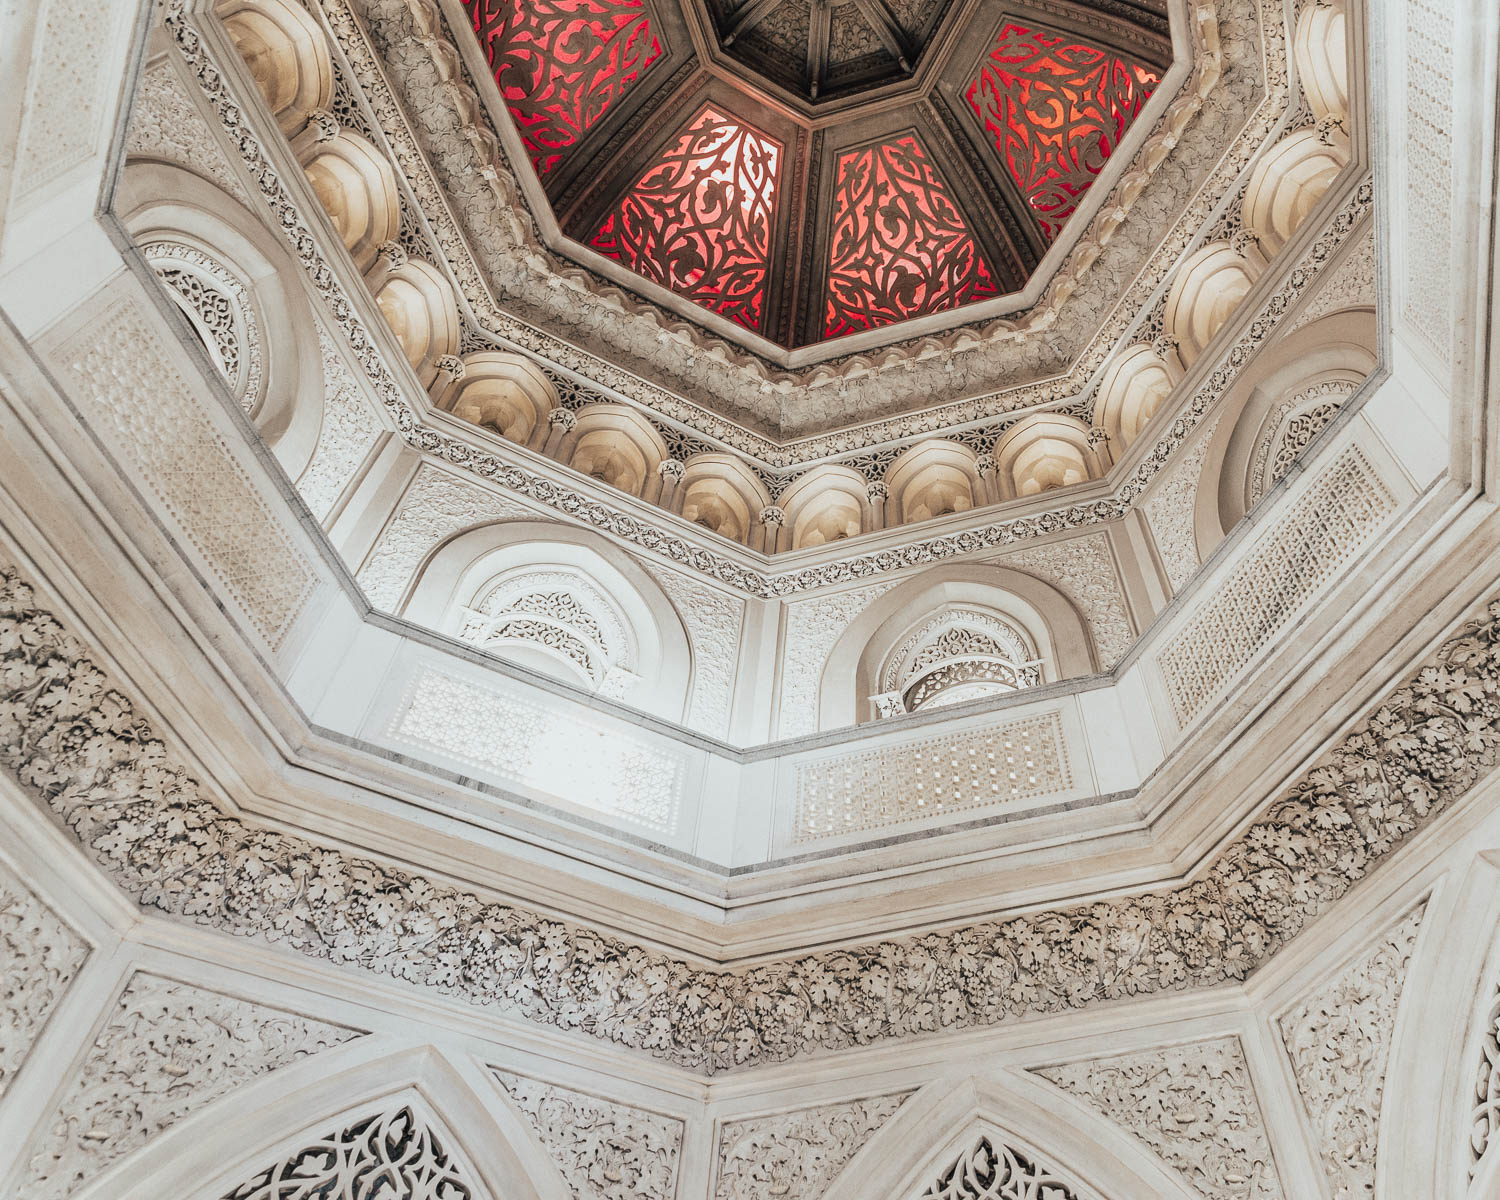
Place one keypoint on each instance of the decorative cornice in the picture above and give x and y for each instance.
(647, 536)
(78, 743)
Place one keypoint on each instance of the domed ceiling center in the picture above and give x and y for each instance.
(794, 172)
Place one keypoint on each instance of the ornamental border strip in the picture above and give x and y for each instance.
(453, 450)
(77, 744)
(1200, 214)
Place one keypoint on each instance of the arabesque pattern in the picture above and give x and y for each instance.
(561, 64)
(1056, 110)
(900, 248)
(699, 219)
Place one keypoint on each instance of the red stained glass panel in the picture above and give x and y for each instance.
(900, 248)
(1056, 110)
(699, 219)
(561, 64)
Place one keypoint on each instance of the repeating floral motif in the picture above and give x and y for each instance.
(1290, 427)
(698, 220)
(167, 1050)
(605, 1151)
(812, 628)
(1084, 569)
(1056, 110)
(713, 618)
(1194, 1105)
(991, 1170)
(1351, 284)
(1170, 511)
(349, 430)
(900, 248)
(41, 955)
(150, 416)
(562, 64)
(78, 743)
(1486, 1118)
(164, 124)
(1339, 1041)
(390, 1155)
(796, 1155)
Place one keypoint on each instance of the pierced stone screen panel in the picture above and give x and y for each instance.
(961, 772)
(582, 762)
(699, 220)
(562, 64)
(1332, 521)
(899, 246)
(1055, 110)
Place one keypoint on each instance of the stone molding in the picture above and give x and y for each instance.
(645, 534)
(77, 743)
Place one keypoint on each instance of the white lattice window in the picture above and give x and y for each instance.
(959, 654)
(389, 1154)
(217, 305)
(560, 615)
(1290, 428)
(991, 1170)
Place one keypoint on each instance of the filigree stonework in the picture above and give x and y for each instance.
(1339, 1041)
(169, 1049)
(41, 955)
(78, 743)
(1194, 1105)
(605, 1150)
(796, 1155)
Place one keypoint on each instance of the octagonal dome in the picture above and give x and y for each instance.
(799, 171)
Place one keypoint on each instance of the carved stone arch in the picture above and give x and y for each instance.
(1442, 1084)
(226, 1145)
(618, 446)
(827, 504)
(1320, 48)
(1041, 452)
(719, 492)
(506, 391)
(288, 407)
(418, 303)
(1208, 288)
(1130, 391)
(932, 479)
(1092, 1158)
(1286, 184)
(287, 54)
(456, 570)
(1048, 618)
(1335, 348)
(356, 185)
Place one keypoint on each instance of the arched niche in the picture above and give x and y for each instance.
(933, 479)
(826, 505)
(417, 302)
(1054, 627)
(1130, 392)
(618, 446)
(232, 1141)
(1320, 49)
(1286, 184)
(1208, 288)
(1338, 348)
(720, 493)
(1042, 452)
(357, 189)
(287, 56)
(462, 569)
(1087, 1155)
(505, 391)
(287, 409)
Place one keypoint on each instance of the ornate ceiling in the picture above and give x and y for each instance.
(805, 170)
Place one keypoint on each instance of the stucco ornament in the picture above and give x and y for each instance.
(1194, 1105)
(79, 744)
(41, 955)
(167, 1050)
(796, 1155)
(991, 1170)
(604, 1150)
(1339, 1041)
